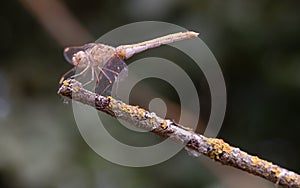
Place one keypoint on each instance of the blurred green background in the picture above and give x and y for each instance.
(255, 42)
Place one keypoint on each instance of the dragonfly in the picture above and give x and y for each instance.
(106, 64)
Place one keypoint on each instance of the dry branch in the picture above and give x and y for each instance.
(213, 148)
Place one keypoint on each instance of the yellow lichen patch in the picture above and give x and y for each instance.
(267, 165)
(243, 154)
(134, 109)
(76, 89)
(212, 155)
(163, 125)
(226, 147)
(276, 171)
(218, 150)
(131, 109)
(255, 161)
(127, 108)
(111, 102)
(210, 141)
(124, 107)
(142, 112)
(220, 144)
(65, 83)
(152, 121)
(291, 177)
(219, 147)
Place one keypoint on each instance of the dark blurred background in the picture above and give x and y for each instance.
(255, 42)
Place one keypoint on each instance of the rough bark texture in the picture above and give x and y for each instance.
(196, 144)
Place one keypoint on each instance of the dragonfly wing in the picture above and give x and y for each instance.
(114, 70)
(118, 66)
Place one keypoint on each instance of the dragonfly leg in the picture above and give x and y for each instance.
(92, 78)
(97, 78)
(82, 72)
(115, 75)
(95, 75)
(107, 77)
(64, 75)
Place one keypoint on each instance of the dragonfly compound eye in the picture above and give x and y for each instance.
(79, 59)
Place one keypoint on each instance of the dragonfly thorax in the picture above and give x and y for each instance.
(99, 54)
(95, 55)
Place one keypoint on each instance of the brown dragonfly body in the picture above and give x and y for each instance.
(105, 63)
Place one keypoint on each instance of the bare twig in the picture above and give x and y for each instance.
(196, 144)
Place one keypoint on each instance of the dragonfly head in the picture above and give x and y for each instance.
(77, 56)
(80, 59)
